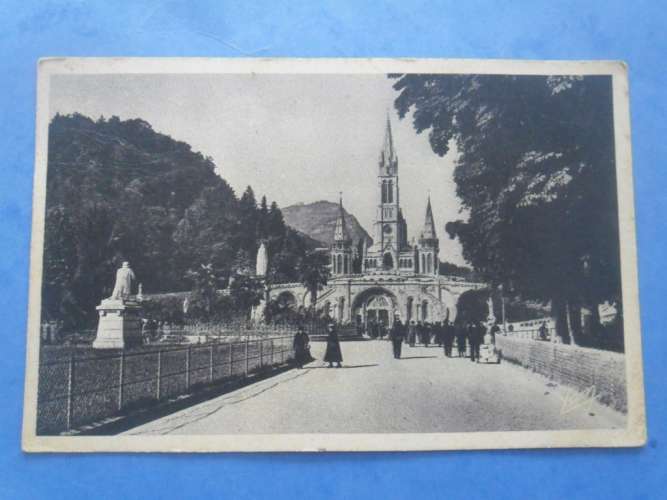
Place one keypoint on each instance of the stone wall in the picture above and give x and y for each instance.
(577, 367)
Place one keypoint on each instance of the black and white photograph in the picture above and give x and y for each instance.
(332, 255)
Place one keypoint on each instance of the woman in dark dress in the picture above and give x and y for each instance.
(301, 347)
(333, 353)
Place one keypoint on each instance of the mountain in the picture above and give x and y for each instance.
(318, 220)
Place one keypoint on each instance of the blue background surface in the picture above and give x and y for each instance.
(609, 29)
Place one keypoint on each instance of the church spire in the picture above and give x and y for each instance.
(340, 232)
(388, 158)
(428, 233)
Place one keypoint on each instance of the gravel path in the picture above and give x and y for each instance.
(374, 393)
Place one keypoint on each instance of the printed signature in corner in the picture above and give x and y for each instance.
(572, 399)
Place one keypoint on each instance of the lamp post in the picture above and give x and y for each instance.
(502, 307)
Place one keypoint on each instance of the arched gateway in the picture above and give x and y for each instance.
(377, 305)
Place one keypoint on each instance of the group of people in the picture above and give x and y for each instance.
(301, 345)
(376, 329)
(445, 334)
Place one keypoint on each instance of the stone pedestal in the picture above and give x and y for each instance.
(119, 325)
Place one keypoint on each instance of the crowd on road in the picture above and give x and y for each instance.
(467, 338)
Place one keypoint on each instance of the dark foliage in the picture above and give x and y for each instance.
(118, 190)
(450, 269)
(536, 174)
(472, 307)
(314, 273)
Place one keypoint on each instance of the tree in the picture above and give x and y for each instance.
(262, 219)
(536, 175)
(283, 265)
(450, 269)
(118, 190)
(472, 306)
(246, 292)
(248, 220)
(205, 290)
(313, 273)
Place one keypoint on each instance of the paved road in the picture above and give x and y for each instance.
(423, 392)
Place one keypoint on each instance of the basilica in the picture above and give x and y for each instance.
(399, 278)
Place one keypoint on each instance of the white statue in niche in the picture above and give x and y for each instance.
(262, 261)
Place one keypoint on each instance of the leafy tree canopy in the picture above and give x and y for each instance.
(535, 174)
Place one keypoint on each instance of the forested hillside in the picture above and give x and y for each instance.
(118, 190)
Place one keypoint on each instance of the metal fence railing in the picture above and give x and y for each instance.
(77, 391)
(532, 333)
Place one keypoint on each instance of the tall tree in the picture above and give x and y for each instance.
(536, 174)
(246, 293)
(262, 219)
(314, 273)
(248, 219)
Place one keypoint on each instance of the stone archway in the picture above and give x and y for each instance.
(387, 261)
(286, 300)
(375, 305)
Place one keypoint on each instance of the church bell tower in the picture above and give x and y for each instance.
(388, 222)
(341, 250)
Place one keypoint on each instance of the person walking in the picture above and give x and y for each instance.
(470, 334)
(333, 353)
(301, 347)
(428, 331)
(543, 331)
(476, 332)
(461, 340)
(397, 335)
(437, 327)
(382, 329)
(495, 330)
(447, 338)
(412, 333)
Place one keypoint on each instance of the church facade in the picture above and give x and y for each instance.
(398, 279)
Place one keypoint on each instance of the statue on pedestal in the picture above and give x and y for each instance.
(120, 324)
(123, 287)
(261, 267)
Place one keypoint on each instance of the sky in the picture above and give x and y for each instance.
(294, 138)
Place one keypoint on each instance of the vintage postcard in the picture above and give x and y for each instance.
(332, 255)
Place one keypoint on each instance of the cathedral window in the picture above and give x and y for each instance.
(390, 192)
